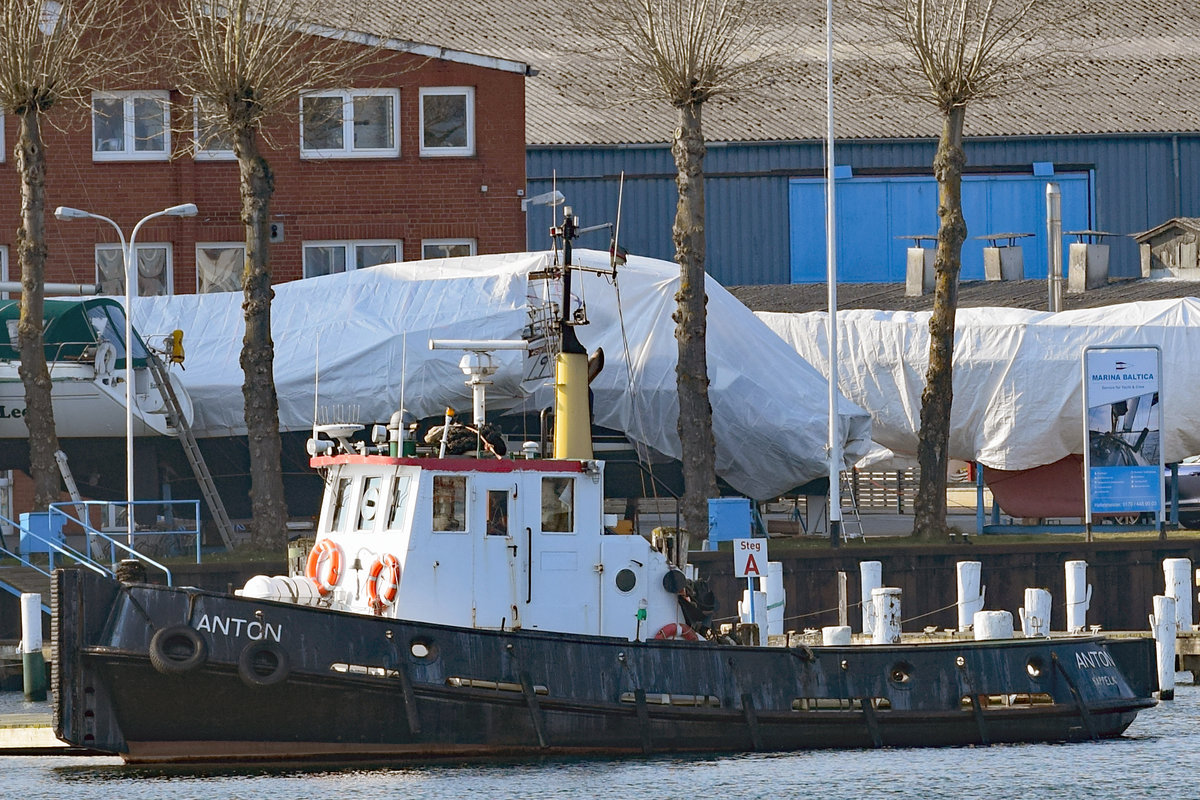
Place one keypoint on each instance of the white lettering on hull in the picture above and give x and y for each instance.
(235, 626)
(1093, 659)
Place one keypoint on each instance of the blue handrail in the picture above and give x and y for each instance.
(113, 544)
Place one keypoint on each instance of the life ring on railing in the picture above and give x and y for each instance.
(325, 550)
(383, 582)
(677, 631)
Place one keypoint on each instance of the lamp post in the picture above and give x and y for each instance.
(130, 264)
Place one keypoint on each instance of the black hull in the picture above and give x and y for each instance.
(352, 688)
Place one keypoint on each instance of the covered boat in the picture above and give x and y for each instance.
(85, 351)
(476, 606)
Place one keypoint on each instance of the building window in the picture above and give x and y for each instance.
(327, 258)
(130, 125)
(361, 123)
(211, 140)
(154, 269)
(219, 267)
(447, 248)
(4, 268)
(448, 121)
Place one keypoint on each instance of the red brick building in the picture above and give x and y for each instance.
(417, 161)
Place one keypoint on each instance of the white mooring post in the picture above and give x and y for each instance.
(872, 578)
(993, 625)
(835, 634)
(886, 600)
(1079, 596)
(1162, 623)
(33, 663)
(1035, 614)
(1178, 575)
(970, 593)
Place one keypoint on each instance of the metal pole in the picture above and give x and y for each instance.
(835, 449)
(1054, 247)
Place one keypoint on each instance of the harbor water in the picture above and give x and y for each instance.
(1149, 761)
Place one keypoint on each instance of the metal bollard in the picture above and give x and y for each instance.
(1035, 614)
(970, 593)
(835, 634)
(886, 601)
(1162, 623)
(33, 663)
(1177, 573)
(872, 579)
(1079, 596)
(993, 625)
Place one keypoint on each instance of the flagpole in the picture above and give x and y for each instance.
(835, 447)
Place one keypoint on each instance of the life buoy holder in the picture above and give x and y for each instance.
(677, 631)
(383, 582)
(328, 553)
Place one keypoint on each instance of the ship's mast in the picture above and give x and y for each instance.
(572, 417)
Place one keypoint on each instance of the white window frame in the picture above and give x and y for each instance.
(3, 150)
(443, 152)
(129, 152)
(168, 266)
(348, 150)
(199, 152)
(3, 263)
(350, 247)
(217, 246)
(443, 242)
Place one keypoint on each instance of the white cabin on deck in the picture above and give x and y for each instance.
(486, 543)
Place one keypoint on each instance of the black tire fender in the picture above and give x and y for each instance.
(177, 649)
(263, 663)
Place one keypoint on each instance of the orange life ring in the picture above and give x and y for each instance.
(677, 631)
(325, 550)
(386, 571)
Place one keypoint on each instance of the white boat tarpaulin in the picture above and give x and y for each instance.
(1018, 396)
(769, 405)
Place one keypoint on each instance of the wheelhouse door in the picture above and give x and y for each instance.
(498, 547)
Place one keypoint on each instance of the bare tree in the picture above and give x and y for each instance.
(52, 54)
(949, 54)
(247, 64)
(686, 54)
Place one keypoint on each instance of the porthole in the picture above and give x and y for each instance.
(626, 579)
(900, 672)
(1035, 667)
(421, 649)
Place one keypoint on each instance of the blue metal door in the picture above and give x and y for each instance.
(873, 211)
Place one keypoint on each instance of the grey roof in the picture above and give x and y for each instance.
(1031, 294)
(1133, 67)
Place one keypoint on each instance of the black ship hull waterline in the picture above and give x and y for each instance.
(159, 674)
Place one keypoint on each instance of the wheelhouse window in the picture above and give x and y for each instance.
(368, 506)
(130, 126)
(558, 505)
(447, 248)
(328, 258)
(398, 502)
(449, 503)
(448, 121)
(341, 505)
(497, 513)
(219, 267)
(153, 269)
(360, 123)
(209, 136)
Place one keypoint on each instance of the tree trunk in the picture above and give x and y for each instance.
(31, 253)
(258, 350)
(695, 412)
(929, 508)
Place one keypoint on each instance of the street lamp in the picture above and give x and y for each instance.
(130, 263)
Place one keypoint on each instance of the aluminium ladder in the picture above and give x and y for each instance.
(851, 521)
(188, 440)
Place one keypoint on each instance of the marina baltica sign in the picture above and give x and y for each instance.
(1122, 402)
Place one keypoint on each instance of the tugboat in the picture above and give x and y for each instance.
(475, 605)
